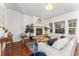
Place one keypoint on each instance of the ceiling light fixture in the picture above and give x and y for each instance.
(49, 6)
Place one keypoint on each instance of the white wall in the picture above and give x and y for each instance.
(2, 13)
(14, 22)
(77, 31)
(65, 17)
(28, 20)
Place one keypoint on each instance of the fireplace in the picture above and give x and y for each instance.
(38, 31)
(38, 27)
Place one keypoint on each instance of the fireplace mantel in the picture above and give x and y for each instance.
(38, 25)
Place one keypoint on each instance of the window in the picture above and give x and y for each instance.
(72, 26)
(51, 27)
(60, 27)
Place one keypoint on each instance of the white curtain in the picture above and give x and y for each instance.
(2, 14)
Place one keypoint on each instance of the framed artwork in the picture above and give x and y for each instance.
(60, 27)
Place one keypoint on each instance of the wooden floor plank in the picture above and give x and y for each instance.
(18, 50)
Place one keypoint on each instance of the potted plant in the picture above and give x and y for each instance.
(46, 29)
(29, 29)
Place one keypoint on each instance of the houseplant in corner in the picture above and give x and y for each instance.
(31, 44)
(29, 29)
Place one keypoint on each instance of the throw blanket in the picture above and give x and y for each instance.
(33, 46)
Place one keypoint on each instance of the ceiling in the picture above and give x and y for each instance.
(38, 9)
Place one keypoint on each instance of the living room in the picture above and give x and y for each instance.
(60, 22)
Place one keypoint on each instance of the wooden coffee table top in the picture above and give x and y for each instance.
(19, 49)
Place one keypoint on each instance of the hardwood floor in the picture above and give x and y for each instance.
(22, 50)
(18, 50)
(77, 50)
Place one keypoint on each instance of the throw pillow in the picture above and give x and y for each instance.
(62, 37)
(51, 41)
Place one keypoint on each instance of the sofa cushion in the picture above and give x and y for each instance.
(61, 43)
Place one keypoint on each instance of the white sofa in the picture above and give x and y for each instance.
(68, 50)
